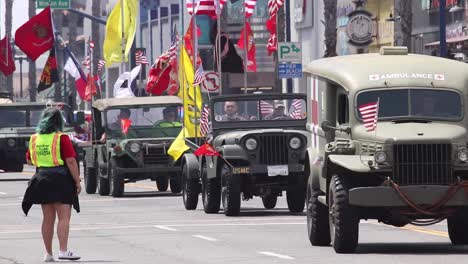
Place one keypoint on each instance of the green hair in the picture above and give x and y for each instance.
(51, 121)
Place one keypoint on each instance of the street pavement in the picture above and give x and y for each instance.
(147, 226)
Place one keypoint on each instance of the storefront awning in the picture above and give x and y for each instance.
(450, 40)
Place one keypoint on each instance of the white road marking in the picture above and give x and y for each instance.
(238, 224)
(275, 255)
(205, 238)
(3, 193)
(165, 228)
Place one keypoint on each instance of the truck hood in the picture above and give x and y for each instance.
(412, 131)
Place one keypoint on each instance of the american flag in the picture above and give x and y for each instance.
(100, 64)
(265, 107)
(205, 121)
(370, 115)
(249, 6)
(140, 58)
(174, 44)
(199, 75)
(274, 6)
(296, 108)
(201, 7)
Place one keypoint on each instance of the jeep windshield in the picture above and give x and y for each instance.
(153, 121)
(258, 110)
(28, 117)
(417, 104)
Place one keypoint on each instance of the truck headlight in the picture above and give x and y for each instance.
(11, 142)
(134, 147)
(462, 155)
(251, 144)
(380, 157)
(295, 143)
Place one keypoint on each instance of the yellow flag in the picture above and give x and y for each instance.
(112, 47)
(192, 98)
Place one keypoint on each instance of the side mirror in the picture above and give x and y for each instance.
(80, 118)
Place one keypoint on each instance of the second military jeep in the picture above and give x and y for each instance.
(388, 141)
(131, 140)
(261, 140)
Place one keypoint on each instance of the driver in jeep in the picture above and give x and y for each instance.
(278, 111)
(169, 118)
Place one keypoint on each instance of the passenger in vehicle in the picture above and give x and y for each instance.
(169, 118)
(124, 114)
(231, 110)
(278, 111)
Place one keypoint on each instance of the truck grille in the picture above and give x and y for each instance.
(155, 156)
(273, 149)
(429, 164)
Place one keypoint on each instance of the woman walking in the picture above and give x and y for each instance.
(56, 183)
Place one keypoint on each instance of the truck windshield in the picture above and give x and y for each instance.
(26, 117)
(255, 110)
(414, 103)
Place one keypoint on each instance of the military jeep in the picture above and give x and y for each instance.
(18, 121)
(387, 141)
(261, 141)
(131, 139)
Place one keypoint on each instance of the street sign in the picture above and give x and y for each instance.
(54, 4)
(289, 70)
(289, 52)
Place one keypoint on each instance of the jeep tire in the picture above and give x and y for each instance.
(458, 232)
(116, 179)
(162, 182)
(190, 190)
(296, 200)
(230, 192)
(102, 184)
(176, 184)
(269, 201)
(343, 218)
(90, 179)
(14, 166)
(317, 220)
(211, 192)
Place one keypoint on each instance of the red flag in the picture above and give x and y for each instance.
(272, 41)
(188, 40)
(90, 88)
(50, 73)
(125, 124)
(7, 65)
(36, 36)
(251, 50)
(159, 76)
(206, 150)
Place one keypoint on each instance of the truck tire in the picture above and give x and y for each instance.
(296, 200)
(162, 182)
(317, 220)
(190, 190)
(211, 192)
(90, 179)
(116, 180)
(230, 192)
(343, 218)
(176, 184)
(103, 184)
(269, 201)
(458, 232)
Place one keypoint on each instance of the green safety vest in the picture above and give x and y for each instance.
(45, 150)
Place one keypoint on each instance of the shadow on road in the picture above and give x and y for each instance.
(14, 179)
(150, 194)
(257, 212)
(411, 248)
(87, 261)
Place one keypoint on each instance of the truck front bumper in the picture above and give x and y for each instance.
(382, 196)
(149, 170)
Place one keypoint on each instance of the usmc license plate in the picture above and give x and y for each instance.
(278, 170)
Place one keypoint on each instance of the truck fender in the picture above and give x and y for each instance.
(233, 152)
(315, 166)
(191, 161)
(356, 163)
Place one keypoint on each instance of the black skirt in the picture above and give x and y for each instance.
(51, 185)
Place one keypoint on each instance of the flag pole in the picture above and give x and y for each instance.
(218, 49)
(123, 34)
(245, 48)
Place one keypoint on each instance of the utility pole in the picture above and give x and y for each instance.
(443, 40)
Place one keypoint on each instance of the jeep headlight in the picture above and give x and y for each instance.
(380, 157)
(462, 155)
(251, 144)
(11, 142)
(295, 143)
(134, 147)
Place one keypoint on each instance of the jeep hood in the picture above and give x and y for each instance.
(412, 131)
(234, 136)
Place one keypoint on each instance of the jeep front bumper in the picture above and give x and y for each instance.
(149, 170)
(382, 196)
(264, 169)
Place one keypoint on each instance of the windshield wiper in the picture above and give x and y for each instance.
(411, 120)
